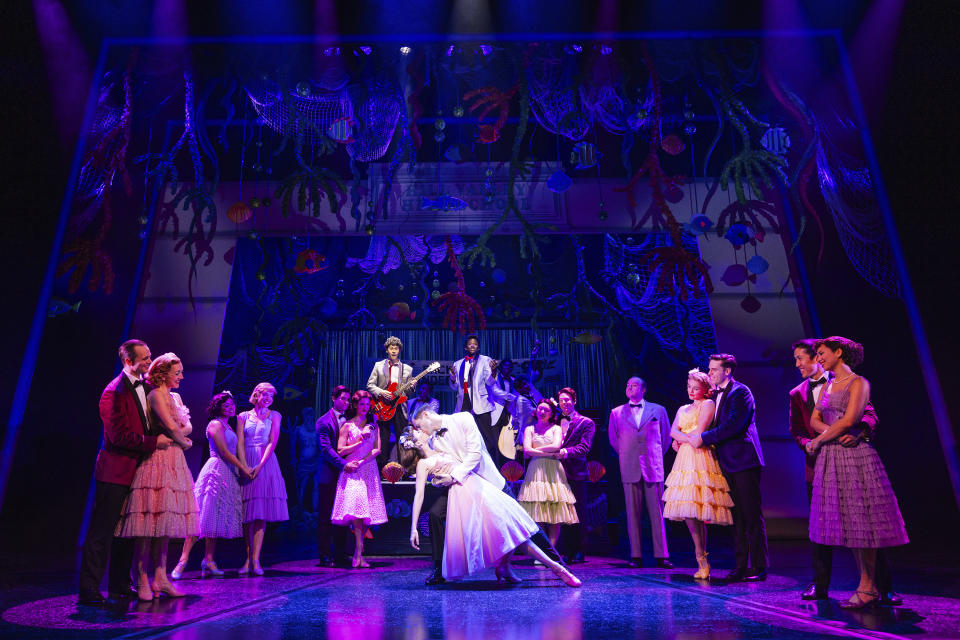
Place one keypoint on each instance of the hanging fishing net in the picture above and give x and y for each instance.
(305, 110)
(376, 111)
(554, 100)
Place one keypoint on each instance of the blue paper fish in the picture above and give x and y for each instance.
(446, 202)
(750, 304)
(736, 274)
(459, 153)
(585, 155)
(341, 130)
(776, 140)
(59, 307)
(698, 225)
(291, 392)
(559, 182)
(738, 234)
(757, 264)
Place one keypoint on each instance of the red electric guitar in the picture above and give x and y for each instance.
(385, 408)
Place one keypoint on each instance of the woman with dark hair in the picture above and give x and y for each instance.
(696, 490)
(578, 433)
(161, 504)
(545, 493)
(359, 502)
(265, 493)
(217, 488)
(853, 504)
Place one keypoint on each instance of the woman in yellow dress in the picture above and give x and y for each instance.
(696, 490)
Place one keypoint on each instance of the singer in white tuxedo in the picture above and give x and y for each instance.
(639, 433)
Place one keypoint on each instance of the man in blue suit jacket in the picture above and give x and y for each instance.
(734, 432)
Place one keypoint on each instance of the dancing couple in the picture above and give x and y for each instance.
(484, 526)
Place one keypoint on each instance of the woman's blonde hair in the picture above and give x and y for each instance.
(260, 388)
(160, 368)
(702, 379)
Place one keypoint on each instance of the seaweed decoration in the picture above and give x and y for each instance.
(573, 302)
(460, 311)
(311, 187)
(750, 166)
(529, 248)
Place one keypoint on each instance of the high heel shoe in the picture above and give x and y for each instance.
(857, 602)
(178, 570)
(209, 567)
(257, 570)
(704, 571)
(167, 589)
(505, 574)
(245, 569)
(144, 592)
(568, 578)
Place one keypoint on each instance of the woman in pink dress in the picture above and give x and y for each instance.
(161, 504)
(264, 496)
(359, 500)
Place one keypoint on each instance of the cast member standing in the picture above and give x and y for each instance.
(472, 377)
(734, 433)
(386, 372)
(329, 535)
(126, 439)
(696, 491)
(637, 433)
(265, 496)
(577, 440)
(424, 400)
(853, 504)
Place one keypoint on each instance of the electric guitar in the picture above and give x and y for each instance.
(385, 408)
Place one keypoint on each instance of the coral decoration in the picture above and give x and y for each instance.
(595, 470)
(460, 312)
(392, 472)
(661, 186)
(309, 261)
(82, 253)
(678, 272)
(512, 470)
(490, 98)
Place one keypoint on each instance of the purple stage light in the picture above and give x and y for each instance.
(485, 49)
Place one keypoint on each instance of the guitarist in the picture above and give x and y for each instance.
(386, 372)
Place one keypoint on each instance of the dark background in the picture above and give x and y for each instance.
(914, 129)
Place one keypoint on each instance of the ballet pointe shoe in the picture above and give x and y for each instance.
(209, 567)
(167, 589)
(703, 573)
(178, 570)
(506, 575)
(144, 592)
(568, 578)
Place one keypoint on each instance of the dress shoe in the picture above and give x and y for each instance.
(861, 600)
(758, 575)
(891, 598)
(737, 575)
(209, 568)
(91, 599)
(635, 563)
(325, 561)
(664, 563)
(813, 592)
(126, 595)
(435, 578)
(167, 589)
(178, 570)
(506, 575)
(574, 558)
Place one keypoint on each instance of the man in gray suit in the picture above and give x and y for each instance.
(387, 371)
(639, 433)
(472, 377)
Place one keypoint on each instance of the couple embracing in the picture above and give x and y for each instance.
(484, 526)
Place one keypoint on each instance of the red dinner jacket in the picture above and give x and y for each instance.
(124, 438)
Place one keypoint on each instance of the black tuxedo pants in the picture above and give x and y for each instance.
(398, 423)
(749, 528)
(438, 525)
(101, 546)
(572, 536)
(328, 534)
(822, 556)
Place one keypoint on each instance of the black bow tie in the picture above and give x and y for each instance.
(719, 391)
(440, 432)
(137, 383)
(636, 405)
(822, 380)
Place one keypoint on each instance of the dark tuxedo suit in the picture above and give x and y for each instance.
(577, 443)
(126, 440)
(734, 433)
(331, 464)
(801, 410)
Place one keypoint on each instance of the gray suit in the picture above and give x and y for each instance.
(640, 445)
(378, 381)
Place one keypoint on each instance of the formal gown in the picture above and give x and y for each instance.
(218, 492)
(264, 497)
(161, 502)
(359, 494)
(695, 487)
(483, 524)
(853, 504)
(545, 493)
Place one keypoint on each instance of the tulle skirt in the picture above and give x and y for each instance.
(161, 503)
(696, 488)
(545, 494)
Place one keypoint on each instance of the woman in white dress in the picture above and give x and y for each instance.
(484, 526)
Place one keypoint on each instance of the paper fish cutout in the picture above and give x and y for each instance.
(585, 155)
(698, 225)
(291, 393)
(59, 307)
(487, 133)
(757, 264)
(559, 182)
(341, 129)
(739, 234)
(446, 202)
(309, 261)
(673, 145)
(400, 311)
(586, 338)
(736, 274)
(750, 304)
(459, 153)
(776, 140)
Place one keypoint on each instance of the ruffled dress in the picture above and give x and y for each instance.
(218, 492)
(696, 487)
(359, 494)
(161, 503)
(545, 493)
(264, 497)
(853, 504)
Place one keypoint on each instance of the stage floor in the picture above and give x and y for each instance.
(295, 599)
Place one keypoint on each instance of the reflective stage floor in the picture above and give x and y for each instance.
(296, 599)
